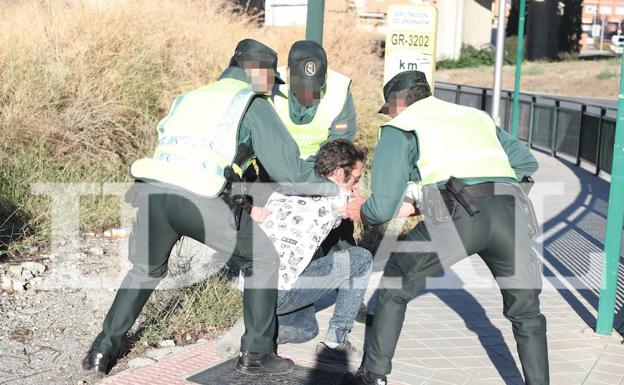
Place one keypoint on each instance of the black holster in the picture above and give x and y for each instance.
(235, 194)
(437, 205)
(526, 184)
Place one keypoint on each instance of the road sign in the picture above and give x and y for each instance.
(411, 40)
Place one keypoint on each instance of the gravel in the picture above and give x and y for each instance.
(48, 326)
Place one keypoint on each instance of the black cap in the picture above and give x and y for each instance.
(401, 81)
(250, 50)
(307, 61)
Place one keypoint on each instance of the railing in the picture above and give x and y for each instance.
(559, 125)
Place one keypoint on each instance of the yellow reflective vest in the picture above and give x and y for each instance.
(311, 136)
(198, 139)
(453, 140)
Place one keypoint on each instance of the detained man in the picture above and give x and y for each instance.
(297, 225)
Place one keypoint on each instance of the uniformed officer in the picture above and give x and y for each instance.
(316, 106)
(187, 189)
(469, 171)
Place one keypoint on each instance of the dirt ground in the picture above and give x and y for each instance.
(46, 330)
(591, 78)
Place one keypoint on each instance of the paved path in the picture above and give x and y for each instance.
(459, 335)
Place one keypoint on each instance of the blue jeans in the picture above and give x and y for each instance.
(346, 270)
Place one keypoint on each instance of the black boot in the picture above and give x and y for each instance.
(363, 377)
(98, 361)
(263, 363)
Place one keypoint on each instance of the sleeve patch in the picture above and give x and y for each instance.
(341, 126)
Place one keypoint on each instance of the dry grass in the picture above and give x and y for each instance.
(82, 86)
(185, 315)
(599, 79)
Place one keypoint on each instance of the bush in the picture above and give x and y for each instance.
(486, 56)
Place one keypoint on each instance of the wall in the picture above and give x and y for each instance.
(477, 24)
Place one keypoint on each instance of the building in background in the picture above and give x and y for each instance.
(459, 21)
(601, 20)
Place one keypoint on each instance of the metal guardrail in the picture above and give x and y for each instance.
(559, 125)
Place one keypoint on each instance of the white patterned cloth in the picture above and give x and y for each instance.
(297, 226)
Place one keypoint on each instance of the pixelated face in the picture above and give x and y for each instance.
(262, 78)
(398, 103)
(306, 93)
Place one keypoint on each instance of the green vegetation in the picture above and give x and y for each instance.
(606, 74)
(486, 56)
(187, 314)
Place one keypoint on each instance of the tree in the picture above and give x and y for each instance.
(571, 30)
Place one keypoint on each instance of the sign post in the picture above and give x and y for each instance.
(314, 21)
(411, 40)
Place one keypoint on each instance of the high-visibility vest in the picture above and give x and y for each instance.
(311, 136)
(453, 140)
(197, 140)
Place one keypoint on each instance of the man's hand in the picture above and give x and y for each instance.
(407, 210)
(259, 214)
(352, 210)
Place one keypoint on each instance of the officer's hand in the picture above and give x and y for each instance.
(259, 214)
(353, 208)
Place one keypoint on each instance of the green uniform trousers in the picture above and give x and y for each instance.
(164, 215)
(500, 237)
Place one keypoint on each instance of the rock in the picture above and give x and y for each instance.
(12, 285)
(6, 283)
(159, 354)
(15, 270)
(140, 362)
(166, 344)
(22, 335)
(31, 270)
(35, 283)
(18, 285)
(96, 251)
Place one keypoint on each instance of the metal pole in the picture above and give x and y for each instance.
(314, 21)
(615, 221)
(519, 56)
(602, 33)
(498, 70)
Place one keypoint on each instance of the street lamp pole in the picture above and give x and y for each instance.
(498, 69)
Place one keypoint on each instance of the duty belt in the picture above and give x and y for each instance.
(469, 192)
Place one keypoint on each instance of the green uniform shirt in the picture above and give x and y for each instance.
(262, 129)
(394, 165)
(301, 114)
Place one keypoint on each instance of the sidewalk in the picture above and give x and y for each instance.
(459, 336)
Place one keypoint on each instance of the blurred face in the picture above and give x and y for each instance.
(304, 93)
(398, 103)
(262, 79)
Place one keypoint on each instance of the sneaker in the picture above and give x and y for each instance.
(364, 377)
(343, 350)
(263, 363)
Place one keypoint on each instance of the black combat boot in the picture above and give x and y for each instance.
(98, 361)
(263, 363)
